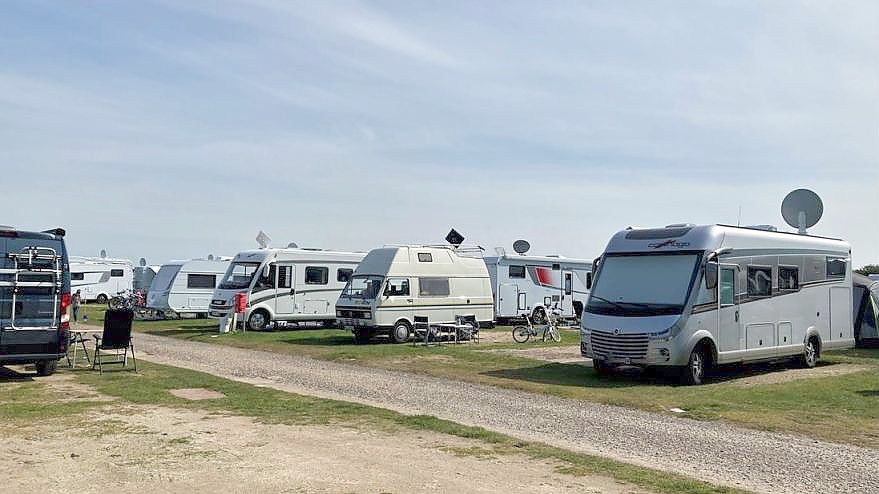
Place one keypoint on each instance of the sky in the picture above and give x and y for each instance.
(172, 130)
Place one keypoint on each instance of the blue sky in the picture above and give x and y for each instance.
(178, 129)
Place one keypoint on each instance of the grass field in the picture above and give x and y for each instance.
(842, 408)
(26, 401)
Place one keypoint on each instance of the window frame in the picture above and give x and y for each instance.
(325, 278)
(785, 267)
(189, 278)
(448, 288)
(404, 283)
(349, 274)
(117, 273)
(831, 259)
(425, 257)
(516, 277)
(763, 268)
(288, 277)
(77, 276)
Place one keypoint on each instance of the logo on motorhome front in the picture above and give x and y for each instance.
(668, 243)
(616, 331)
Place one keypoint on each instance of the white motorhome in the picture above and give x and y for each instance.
(186, 287)
(532, 285)
(100, 279)
(693, 297)
(291, 285)
(394, 284)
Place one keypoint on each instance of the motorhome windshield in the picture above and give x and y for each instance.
(365, 287)
(643, 285)
(239, 275)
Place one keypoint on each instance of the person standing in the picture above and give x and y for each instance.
(74, 304)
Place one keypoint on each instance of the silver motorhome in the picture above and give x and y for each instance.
(693, 297)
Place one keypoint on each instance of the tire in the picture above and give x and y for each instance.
(601, 368)
(102, 299)
(553, 333)
(810, 353)
(401, 332)
(362, 336)
(46, 367)
(539, 316)
(116, 303)
(694, 373)
(258, 320)
(521, 334)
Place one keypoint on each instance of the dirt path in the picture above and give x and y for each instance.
(167, 450)
(716, 452)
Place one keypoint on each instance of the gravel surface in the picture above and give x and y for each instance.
(715, 452)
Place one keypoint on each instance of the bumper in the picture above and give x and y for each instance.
(24, 359)
(216, 312)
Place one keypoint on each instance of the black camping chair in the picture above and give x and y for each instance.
(116, 337)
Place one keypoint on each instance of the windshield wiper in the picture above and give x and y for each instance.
(611, 302)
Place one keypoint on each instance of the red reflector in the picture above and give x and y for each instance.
(7, 233)
(240, 303)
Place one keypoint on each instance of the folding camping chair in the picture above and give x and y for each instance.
(468, 327)
(421, 330)
(116, 337)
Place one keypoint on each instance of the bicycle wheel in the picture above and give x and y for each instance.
(551, 333)
(521, 334)
(116, 303)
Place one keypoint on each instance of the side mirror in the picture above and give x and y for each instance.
(266, 270)
(711, 276)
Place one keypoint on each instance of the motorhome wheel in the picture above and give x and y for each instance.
(258, 321)
(401, 332)
(810, 354)
(694, 372)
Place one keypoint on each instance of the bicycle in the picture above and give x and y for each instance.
(127, 300)
(522, 334)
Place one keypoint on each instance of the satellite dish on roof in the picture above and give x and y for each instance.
(802, 209)
(454, 238)
(103, 254)
(521, 247)
(262, 239)
(292, 245)
(142, 262)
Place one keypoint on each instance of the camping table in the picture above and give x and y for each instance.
(78, 339)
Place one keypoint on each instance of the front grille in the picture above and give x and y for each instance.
(352, 314)
(607, 344)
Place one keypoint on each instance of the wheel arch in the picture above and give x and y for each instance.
(704, 338)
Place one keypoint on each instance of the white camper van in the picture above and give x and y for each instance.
(393, 284)
(100, 279)
(696, 296)
(186, 287)
(285, 284)
(532, 285)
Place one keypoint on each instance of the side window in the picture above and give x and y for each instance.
(517, 271)
(433, 287)
(316, 275)
(344, 275)
(117, 273)
(77, 276)
(759, 281)
(727, 286)
(425, 257)
(266, 282)
(836, 267)
(569, 283)
(285, 276)
(788, 278)
(707, 295)
(397, 287)
(201, 281)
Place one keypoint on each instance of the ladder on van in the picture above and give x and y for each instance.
(34, 262)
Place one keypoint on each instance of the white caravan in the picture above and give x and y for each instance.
(693, 297)
(532, 285)
(393, 284)
(291, 285)
(186, 287)
(100, 279)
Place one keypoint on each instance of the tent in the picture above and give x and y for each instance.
(865, 307)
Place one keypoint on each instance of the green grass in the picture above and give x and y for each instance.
(152, 383)
(843, 408)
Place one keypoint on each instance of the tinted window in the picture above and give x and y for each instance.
(433, 287)
(201, 281)
(517, 271)
(316, 275)
(397, 287)
(727, 286)
(788, 278)
(836, 267)
(285, 276)
(117, 273)
(759, 281)
(344, 275)
(77, 276)
(425, 257)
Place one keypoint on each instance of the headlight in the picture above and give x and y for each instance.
(367, 315)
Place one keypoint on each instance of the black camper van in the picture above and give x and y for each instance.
(34, 298)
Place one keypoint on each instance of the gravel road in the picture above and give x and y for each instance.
(715, 452)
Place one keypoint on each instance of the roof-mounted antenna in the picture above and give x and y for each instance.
(292, 245)
(802, 209)
(103, 254)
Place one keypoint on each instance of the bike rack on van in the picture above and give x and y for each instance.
(25, 263)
